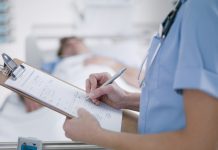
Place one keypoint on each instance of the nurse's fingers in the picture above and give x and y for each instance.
(96, 101)
(66, 126)
(101, 77)
(93, 82)
(101, 91)
(67, 123)
(88, 86)
(88, 90)
(82, 113)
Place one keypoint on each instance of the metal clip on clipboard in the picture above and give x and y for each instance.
(10, 67)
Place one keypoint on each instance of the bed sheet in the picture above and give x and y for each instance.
(43, 124)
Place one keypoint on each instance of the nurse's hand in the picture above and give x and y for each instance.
(111, 94)
(84, 128)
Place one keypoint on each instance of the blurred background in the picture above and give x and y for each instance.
(120, 29)
(28, 27)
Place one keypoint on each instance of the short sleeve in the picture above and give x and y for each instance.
(197, 66)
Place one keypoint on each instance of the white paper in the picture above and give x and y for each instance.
(63, 96)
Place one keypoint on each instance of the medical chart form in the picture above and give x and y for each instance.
(63, 96)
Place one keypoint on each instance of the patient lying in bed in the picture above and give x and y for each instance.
(74, 65)
(74, 59)
(73, 46)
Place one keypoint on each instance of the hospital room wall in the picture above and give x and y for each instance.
(27, 13)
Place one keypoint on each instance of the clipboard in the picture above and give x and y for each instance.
(15, 68)
(9, 70)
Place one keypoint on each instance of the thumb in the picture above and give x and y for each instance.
(100, 91)
(82, 113)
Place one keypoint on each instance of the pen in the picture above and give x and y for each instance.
(113, 78)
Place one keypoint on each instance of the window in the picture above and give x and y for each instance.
(5, 19)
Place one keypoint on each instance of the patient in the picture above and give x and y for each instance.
(69, 46)
(73, 46)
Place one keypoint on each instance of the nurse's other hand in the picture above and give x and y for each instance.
(110, 94)
(84, 128)
(31, 105)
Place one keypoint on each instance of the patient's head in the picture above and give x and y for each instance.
(70, 46)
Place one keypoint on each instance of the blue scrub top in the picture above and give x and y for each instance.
(187, 59)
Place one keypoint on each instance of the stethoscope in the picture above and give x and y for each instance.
(163, 31)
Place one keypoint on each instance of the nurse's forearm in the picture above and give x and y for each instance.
(132, 101)
(126, 141)
(165, 141)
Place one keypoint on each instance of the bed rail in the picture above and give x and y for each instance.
(54, 146)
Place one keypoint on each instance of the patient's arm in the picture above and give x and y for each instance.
(30, 104)
(130, 75)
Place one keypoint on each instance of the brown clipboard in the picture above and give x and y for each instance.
(3, 79)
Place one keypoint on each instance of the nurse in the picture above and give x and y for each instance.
(178, 104)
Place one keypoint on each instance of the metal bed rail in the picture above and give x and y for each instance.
(54, 146)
